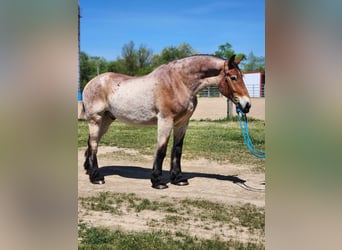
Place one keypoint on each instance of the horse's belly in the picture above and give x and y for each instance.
(135, 116)
(132, 108)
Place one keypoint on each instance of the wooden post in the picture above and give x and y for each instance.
(229, 109)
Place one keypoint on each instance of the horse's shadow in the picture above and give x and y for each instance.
(136, 172)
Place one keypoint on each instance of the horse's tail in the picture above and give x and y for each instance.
(83, 107)
(81, 112)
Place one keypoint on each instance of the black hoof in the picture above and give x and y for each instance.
(181, 182)
(95, 177)
(100, 182)
(160, 186)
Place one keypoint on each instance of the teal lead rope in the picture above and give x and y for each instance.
(244, 131)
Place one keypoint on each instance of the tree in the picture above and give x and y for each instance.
(130, 58)
(254, 63)
(91, 66)
(86, 69)
(99, 63)
(134, 62)
(225, 51)
(144, 56)
(172, 53)
(117, 66)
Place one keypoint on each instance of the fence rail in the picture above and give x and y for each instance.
(254, 91)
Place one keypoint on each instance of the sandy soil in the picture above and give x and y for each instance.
(130, 173)
(216, 108)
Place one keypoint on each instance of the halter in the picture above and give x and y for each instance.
(227, 79)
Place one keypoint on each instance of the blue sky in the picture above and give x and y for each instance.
(106, 25)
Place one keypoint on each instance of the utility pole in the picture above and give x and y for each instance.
(229, 109)
(79, 76)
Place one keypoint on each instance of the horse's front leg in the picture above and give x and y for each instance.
(176, 155)
(164, 129)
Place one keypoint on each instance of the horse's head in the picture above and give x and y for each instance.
(233, 86)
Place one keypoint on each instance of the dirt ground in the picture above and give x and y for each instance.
(216, 108)
(208, 180)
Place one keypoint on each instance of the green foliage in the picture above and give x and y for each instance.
(91, 66)
(254, 63)
(144, 56)
(135, 62)
(226, 51)
(95, 235)
(172, 53)
(248, 63)
(117, 66)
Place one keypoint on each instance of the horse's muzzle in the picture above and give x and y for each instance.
(244, 104)
(246, 108)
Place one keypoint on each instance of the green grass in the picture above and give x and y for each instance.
(102, 238)
(119, 203)
(218, 140)
(248, 215)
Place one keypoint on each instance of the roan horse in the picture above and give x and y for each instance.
(166, 97)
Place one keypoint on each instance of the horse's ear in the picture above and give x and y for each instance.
(237, 61)
(231, 62)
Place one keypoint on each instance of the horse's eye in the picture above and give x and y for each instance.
(234, 78)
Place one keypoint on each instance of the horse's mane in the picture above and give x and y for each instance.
(193, 56)
(215, 56)
(211, 55)
(196, 55)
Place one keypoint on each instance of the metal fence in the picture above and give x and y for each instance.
(254, 91)
(212, 91)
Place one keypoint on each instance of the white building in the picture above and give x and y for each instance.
(255, 83)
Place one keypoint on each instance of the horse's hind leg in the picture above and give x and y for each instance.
(176, 155)
(97, 127)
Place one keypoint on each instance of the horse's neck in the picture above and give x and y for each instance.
(209, 75)
(205, 82)
(197, 72)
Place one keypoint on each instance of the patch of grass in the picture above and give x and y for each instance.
(247, 216)
(118, 203)
(95, 235)
(174, 219)
(102, 238)
(102, 202)
(218, 140)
